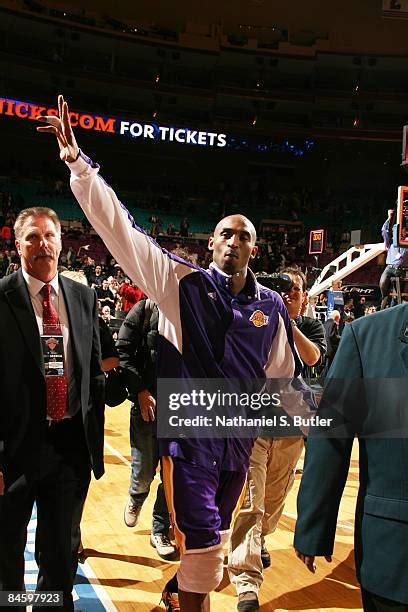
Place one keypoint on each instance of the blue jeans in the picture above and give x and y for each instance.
(145, 458)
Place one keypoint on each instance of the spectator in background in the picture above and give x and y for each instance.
(97, 278)
(119, 275)
(105, 295)
(359, 309)
(89, 269)
(70, 256)
(13, 257)
(6, 235)
(12, 267)
(349, 318)
(114, 287)
(331, 329)
(171, 230)
(111, 323)
(110, 265)
(119, 312)
(322, 300)
(347, 310)
(371, 309)
(130, 294)
(4, 263)
(105, 314)
(155, 225)
(397, 259)
(184, 227)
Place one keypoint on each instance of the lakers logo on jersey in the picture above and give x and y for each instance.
(258, 318)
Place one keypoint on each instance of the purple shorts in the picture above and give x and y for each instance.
(203, 502)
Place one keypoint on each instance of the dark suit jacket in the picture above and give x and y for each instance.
(331, 330)
(372, 359)
(23, 389)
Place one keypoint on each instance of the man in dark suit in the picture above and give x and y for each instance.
(331, 330)
(51, 426)
(367, 394)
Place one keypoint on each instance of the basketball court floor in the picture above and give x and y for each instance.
(123, 572)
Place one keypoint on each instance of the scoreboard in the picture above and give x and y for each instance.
(402, 217)
(316, 241)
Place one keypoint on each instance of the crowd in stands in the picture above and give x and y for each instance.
(117, 294)
(280, 243)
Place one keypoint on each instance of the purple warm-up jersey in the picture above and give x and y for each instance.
(204, 330)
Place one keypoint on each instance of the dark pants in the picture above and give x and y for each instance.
(375, 603)
(59, 490)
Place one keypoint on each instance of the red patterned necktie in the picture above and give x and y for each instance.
(57, 387)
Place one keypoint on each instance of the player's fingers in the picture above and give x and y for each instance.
(60, 105)
(48, 128)
(55, 121)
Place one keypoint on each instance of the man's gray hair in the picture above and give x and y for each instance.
(335, 314)
(35, 211)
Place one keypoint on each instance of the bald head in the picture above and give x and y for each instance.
(226, 221)
(233, 244)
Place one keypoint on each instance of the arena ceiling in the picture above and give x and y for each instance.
(356, 26)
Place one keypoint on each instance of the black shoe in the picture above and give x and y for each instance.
(248, 602)
(265, 557)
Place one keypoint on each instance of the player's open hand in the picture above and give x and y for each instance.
(61, 127)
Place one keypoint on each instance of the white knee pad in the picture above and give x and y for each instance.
(225, 536)
(201, 572)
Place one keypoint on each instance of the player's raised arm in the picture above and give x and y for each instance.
(140, 257)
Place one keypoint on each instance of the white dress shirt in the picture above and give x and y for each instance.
(34, 288)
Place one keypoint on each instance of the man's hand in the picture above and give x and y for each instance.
(147, 405)
(309, 560)
(1, 484)
(61, 127)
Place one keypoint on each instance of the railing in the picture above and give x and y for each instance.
(346, 263)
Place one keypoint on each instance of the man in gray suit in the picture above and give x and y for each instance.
(366, 392)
